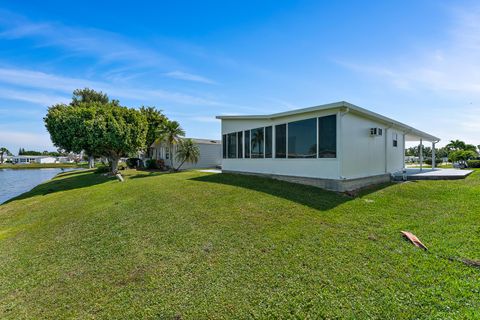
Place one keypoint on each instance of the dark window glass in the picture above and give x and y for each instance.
(232, 145)
(224, 146)
(395, 140)
(268, 142)
(240, 144)
(257, 139)
(281, 141)
(302, 139)
(327, 137)
(247, 144)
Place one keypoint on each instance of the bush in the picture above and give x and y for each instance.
(473, 163)
(151, 164)
(429, 161)
(134, 162)
(102, 169)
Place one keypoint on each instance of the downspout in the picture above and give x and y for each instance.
(341, 113)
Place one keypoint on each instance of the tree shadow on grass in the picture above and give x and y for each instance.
(63, 182)
(310, 196)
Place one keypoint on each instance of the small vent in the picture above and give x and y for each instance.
(376, 131)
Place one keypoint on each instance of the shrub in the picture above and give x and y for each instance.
(429, 161)
(102, 169)
(473, 163)
(134, 162)
(151, 164)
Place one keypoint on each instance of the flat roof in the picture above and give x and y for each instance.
(412, 134)
(196, 140)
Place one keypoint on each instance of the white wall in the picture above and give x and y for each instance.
(364, 155)
(326, 168)
(46, 160)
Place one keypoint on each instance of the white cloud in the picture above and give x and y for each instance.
(188, 77)
(452, 66)
(41, 80)
(28, 140)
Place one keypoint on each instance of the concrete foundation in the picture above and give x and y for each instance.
(342, 185)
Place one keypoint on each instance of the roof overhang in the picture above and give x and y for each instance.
(412, 134)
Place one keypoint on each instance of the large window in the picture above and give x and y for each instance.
(224, 146)
(240, 144)
(257, 139)
(327, 137)
(281, 141)
(247, 144)
(232, 145)
(268, 142)
(302, 139)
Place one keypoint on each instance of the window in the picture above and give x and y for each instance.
(247, 144)
(232, 145)
(281, 141)
(302, 139)
(395, 140)
(327, 137)
(240, 144)
(257, 139)
(268, 142)
(224, 146)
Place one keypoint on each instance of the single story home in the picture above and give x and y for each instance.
(33, 159)
(210, 154)
(336, 146)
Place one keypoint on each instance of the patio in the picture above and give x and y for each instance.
(431, 174)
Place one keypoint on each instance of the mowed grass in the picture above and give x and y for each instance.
(197, 245)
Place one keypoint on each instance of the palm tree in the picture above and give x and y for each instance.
(171, 133)
(456, 145)
(257, 140)
(187, 151)
(3, 151)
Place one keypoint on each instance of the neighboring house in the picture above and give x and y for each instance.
(33, 159)
(65, 160)
(337, 146)
(210, 154)
(7, 159)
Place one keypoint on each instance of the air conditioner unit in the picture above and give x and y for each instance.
(376, 131)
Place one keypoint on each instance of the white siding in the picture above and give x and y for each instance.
(210, 156)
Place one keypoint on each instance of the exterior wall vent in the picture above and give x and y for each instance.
(376, 132)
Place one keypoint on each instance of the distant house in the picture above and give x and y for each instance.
(33, 159)
(337, 146)
(210, 154)
(65, 160)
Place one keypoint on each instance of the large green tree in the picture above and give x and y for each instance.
(170, 134)
(156, 120)
(3, 151)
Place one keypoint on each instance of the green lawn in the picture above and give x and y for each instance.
(196, 245)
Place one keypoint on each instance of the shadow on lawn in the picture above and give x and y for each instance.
(303, 194)
(63, 182)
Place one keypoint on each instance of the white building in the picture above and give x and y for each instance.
(337, 146)
(33, 159)
(210, 154)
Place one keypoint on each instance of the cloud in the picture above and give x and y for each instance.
(27, 140)
(188, 77)
(32, 96)
(452, 67)
(39, 80)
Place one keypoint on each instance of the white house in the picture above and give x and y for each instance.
(33, 159)
(210, 154)
(337, 146)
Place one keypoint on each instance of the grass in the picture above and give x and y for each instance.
(39, 165)
(195, 245)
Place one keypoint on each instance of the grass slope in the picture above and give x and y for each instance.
(196, 245)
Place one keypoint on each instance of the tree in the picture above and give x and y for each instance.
(87, 95)
(187, 151)
(454, 145)
(155, 122)
(462, 155)
(3, 151)
(120, 132)
(171, 134)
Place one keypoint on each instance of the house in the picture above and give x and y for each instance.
(337, 146)
(210, 154)
(33, 159)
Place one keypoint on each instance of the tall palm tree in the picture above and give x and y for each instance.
(257, 140)
(187, 151)
(456, 145)
(171, 133)
(3, 151)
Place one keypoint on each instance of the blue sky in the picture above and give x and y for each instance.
(415, 61)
